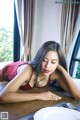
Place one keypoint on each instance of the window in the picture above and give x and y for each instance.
(75, 60)
(6, 30)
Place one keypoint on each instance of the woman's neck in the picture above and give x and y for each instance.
(41, 75)
(42, 80)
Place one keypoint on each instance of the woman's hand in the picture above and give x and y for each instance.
(59, 67)
(48, 96)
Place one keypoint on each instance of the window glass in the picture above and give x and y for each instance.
(75, 61)
(78, 71)
(6, 31)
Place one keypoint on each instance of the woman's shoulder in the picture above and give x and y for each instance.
(25, 67)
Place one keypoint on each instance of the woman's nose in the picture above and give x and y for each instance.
(47, 65)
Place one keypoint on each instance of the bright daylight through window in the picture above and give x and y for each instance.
(6, 31)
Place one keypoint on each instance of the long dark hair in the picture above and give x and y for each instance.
(47, 46)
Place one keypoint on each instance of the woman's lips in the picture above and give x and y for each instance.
(46, 71)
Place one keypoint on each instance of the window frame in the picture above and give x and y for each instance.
(73, 58)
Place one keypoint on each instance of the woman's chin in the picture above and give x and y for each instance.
(46, 74)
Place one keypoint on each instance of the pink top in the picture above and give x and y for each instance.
(10, 71)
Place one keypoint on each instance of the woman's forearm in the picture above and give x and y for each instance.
(22, 97)
(72, 88)
(17, 97)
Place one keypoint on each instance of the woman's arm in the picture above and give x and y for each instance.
(22, 97)
(9, 94)
(67, 83)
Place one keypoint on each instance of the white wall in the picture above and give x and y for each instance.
(47, 19)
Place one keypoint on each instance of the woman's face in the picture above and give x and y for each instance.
(50, 63)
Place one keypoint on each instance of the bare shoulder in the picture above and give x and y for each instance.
(25, 67)
(24, 72)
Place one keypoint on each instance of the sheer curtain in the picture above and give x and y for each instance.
(24, 10)
(68, 21)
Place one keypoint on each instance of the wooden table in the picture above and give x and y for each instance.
(19, 110)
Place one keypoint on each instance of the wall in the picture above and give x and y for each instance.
(47, 19)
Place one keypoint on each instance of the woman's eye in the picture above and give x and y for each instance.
(44, 60)
(53, 62)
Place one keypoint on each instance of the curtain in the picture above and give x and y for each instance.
(68, 21)
(24, 10)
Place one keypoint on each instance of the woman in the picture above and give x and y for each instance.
(48, 65)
